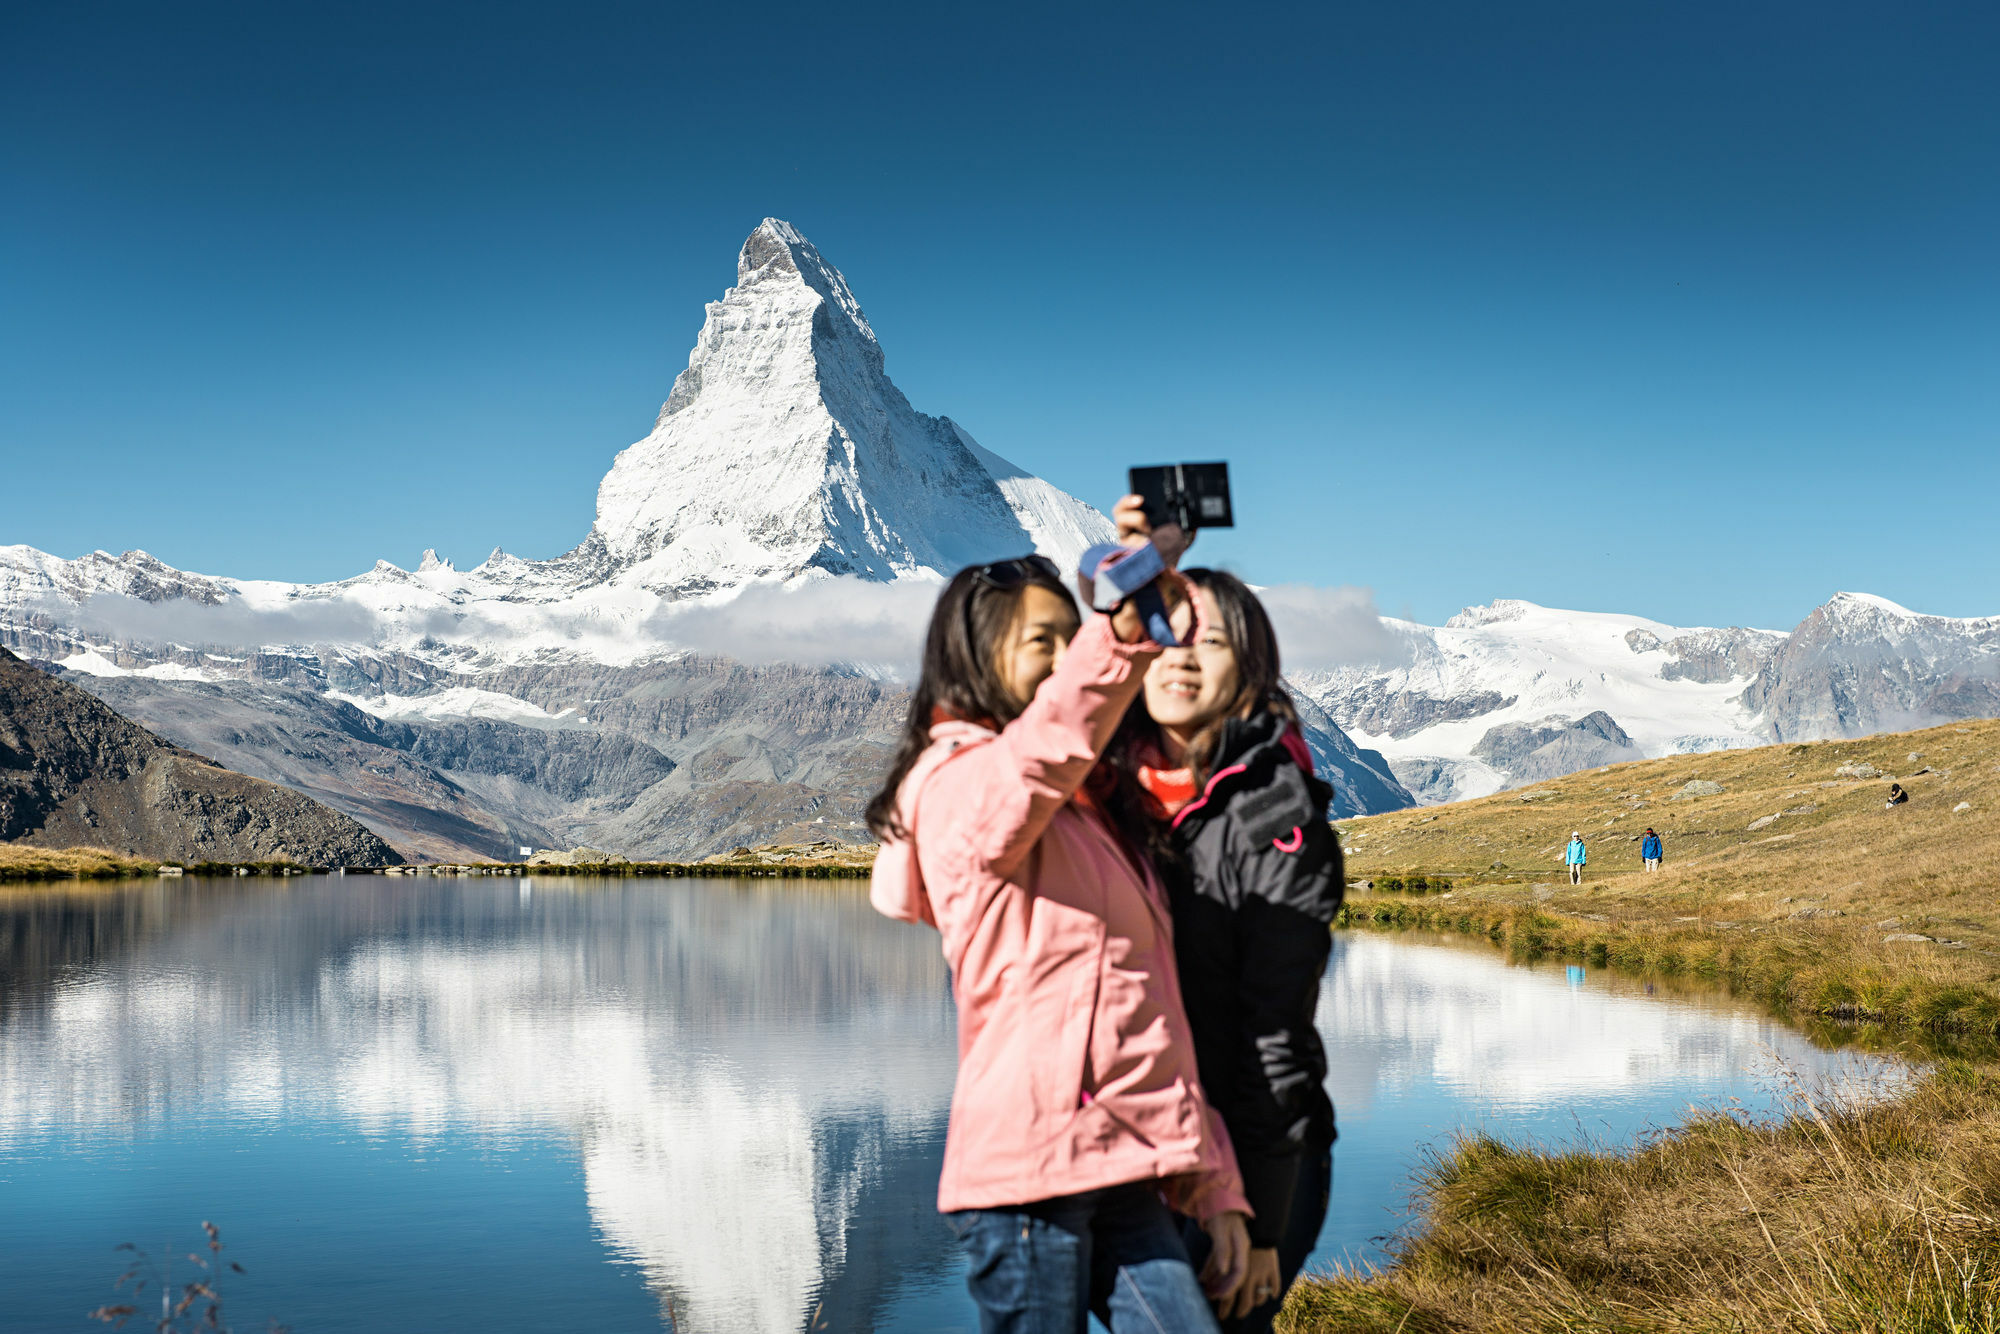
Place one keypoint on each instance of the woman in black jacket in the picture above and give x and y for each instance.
(1254, 871)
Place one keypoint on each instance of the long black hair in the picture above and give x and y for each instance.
(1260, 678)
(961, 679)
(1260, 686)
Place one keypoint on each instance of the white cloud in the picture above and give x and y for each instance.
(229, 624)
(1321, 628)
(815, 624)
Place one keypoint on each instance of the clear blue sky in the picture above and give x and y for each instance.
(1691, 310)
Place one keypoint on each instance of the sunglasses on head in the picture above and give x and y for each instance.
(1007, 575)
(1016, 571)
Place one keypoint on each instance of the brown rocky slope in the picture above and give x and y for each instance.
(74, 773)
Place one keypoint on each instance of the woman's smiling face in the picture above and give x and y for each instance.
(1189, 688)
(1042, 627)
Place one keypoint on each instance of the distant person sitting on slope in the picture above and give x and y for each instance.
(1575, 855)
(1651, 851)
(1896, 796)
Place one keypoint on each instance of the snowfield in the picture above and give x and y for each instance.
(1532, 663)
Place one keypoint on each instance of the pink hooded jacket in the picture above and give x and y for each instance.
(1076, 1066)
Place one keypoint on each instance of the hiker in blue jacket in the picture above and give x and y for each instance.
(1575, 855)
(1651, 851)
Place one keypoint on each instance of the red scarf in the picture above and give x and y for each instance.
(1172, 788)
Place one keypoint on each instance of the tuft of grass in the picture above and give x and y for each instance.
(18, 862)
(1878, 1217)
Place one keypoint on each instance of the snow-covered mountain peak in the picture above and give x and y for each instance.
(1493, 613)
(1849, 616)
(785, 451)
(775, 252)
(1845, 601)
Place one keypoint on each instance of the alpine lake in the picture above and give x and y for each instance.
(513, 1104)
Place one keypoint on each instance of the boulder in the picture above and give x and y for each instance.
(1762, 822)
(575, 857)
(1857, 770)
(1698, 787)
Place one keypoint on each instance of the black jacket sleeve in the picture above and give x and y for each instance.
(1288, 886)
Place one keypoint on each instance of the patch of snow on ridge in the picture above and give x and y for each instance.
(453, 704)
(92, 663)
(1843, 600)
(1062, 526)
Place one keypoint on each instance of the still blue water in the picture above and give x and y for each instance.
(416, 1103)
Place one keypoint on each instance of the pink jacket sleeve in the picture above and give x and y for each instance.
(1217, 1190)
(995, 800)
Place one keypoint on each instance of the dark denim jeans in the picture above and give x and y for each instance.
(1309, 1200)
(1043, 1268)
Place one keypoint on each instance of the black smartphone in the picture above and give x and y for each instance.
(1193, 495)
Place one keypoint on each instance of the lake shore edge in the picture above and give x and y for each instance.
(1789, 883)
(24, 864)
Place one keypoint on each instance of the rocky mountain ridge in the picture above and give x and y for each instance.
(74, 773)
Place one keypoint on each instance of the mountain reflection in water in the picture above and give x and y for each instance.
(755, 1080)
(748, 1082)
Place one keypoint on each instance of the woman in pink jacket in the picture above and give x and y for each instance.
(1077, 1119)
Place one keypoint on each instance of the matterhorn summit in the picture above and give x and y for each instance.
(785, 451)
(719, 662)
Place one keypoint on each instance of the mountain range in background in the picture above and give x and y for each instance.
(715, 663)
(1512, 693)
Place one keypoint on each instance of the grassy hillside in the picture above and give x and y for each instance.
(1793, 880)
(1879, 1218)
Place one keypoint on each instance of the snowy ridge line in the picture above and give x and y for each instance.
(783, 456)
(790, 506)
(1512, 693)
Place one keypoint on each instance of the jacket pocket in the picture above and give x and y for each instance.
(1058, 1054)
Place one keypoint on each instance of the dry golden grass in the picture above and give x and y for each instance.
(1840, 1219)
(24, 863)
(1879, 1219)
(1800, 910)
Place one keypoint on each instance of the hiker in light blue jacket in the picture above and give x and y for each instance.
(1575, 855)
(1651, 851)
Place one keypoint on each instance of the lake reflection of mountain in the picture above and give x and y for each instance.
(754, 1080)
(1504, 1041)
(618, 1105)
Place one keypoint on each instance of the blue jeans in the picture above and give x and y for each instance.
(1043, 1268)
